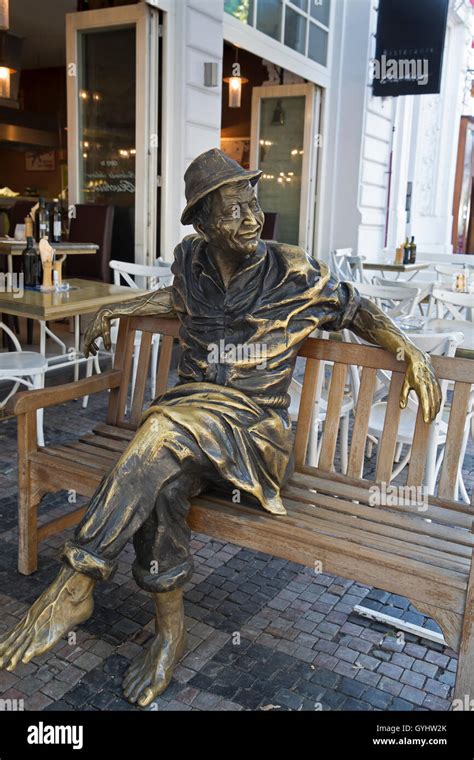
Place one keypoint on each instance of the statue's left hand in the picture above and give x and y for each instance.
(421, 378)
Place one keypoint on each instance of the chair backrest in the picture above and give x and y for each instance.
(445, 272)
(395, 301)
(339, 356)
(92, 223)
(157, 276)
(17, 214)
(11, 335)
(339, 263)
(453, 305)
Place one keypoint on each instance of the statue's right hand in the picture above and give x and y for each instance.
(98, 328)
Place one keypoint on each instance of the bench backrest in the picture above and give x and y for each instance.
(127, 413)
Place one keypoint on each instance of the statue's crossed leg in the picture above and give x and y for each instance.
(146, 496)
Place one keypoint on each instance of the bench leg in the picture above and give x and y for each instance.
(464, 688)
(27, 534)
(28, 497)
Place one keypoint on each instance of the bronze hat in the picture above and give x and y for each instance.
(209, 171)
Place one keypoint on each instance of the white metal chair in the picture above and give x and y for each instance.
(443, 344)
(452, 305)
(395, 301)
(347, 265)
(22, 368)
(424, 288)
(156, 277)
(445, 272)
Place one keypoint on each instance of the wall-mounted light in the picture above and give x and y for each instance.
(235, 83)
(4, 82)
(210, 74)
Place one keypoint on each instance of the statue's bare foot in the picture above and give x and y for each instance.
(150, 673)
(67, 602)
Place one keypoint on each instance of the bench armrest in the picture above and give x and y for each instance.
(30, 401)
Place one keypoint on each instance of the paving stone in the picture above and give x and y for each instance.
(88, 661)
(377, 698)
(55, 689)
(402, 659)
(427, 668)
(368, 662)
(415, 650)
(441, 660)
(436, 688)
(411, 694)
(390, 670)
(413, 679)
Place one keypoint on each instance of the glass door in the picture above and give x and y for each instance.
(113, 143)
(284, 146)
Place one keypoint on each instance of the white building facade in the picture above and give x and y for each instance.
(364, 150)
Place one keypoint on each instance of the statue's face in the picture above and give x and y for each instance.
(235, 219)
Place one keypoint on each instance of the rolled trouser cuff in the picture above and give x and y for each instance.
(158, 582)
(84, 561)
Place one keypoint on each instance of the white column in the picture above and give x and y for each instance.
(435, 142)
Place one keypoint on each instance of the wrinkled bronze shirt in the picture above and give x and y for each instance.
(247, 336)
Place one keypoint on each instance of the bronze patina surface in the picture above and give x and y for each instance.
(245, 308)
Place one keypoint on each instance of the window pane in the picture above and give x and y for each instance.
(281, 160)
(269, 17)
(295, 31)
(320, 10)
(240, 9)
(303, 4)
(106, 127)
(318, 44)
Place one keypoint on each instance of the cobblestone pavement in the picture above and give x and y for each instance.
(264, 634)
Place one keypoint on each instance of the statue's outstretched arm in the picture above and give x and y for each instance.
(371, 324)
(156, 303)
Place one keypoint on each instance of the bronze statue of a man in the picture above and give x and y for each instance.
(225, 423)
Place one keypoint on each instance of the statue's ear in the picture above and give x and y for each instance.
(201, 230)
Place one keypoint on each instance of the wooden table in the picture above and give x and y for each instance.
(12, 248)
(89, 296)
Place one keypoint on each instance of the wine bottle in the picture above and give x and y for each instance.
(406, 251)
(412, 250)
(55, 223)
(42, 221)
(31, 264)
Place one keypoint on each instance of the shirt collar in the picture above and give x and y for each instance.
(203, 264)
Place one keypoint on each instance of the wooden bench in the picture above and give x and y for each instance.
(423, 555)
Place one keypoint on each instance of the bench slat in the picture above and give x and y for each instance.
(142, 377)
(419, 530)
(388, 441)
(454, 440)
(361, 421)
(333, 416)
(311, 385)
(419, 450)
(449, 517)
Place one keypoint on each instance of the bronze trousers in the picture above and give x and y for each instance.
(145, 497)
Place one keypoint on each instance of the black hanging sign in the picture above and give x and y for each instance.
(410, 44)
